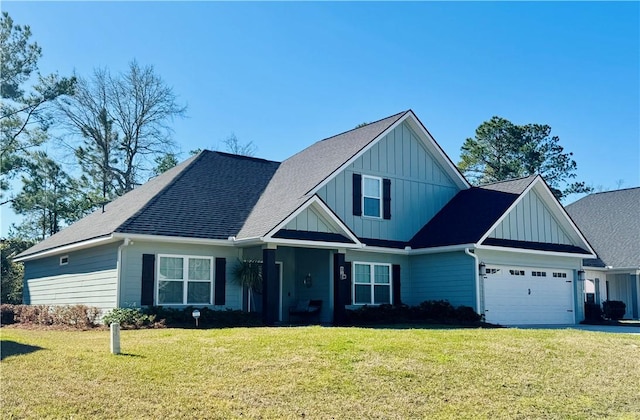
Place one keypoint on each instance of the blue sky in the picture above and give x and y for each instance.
(284, 75)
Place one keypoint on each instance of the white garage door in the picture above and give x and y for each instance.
(519, 295)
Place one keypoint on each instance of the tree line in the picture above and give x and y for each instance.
(113, 131)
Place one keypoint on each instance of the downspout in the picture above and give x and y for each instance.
(477, 274)
(126, 242)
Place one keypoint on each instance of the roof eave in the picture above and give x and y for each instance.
(89, 243)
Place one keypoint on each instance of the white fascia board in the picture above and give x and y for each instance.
(426, 138)
(420, 251)
(311, 244)
(511, 207)
(437, 151)
(560, 208)
(364, 150)
(68, 248)
(315, 200)
(535, 251)
(173, 239)
(440, 249)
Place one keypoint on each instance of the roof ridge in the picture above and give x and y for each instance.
(366, 125)
(235, 155)
(508, 180)
(612, 191)
(156, 196)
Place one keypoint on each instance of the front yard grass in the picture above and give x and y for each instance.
(316, 372)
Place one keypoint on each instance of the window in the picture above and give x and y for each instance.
(493, 271)
(64, 260)
(184, 280)
(371, 284)
(560, 275)
(516, 272)
(539, 273)
(371, 196)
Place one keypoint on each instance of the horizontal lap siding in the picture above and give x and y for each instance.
(89, 278)
(91, 289)
(131, 281)
(401, 260)
(447, 276)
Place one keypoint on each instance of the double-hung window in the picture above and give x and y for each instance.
(371, 284)
(372, 196)
(185, 280)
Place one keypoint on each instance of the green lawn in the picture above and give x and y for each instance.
(315, 372)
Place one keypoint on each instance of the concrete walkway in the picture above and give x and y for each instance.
(614, 329)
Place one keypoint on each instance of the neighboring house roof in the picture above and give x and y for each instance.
(302, 172)
(611, 222)
(207, 196)
(470, 214)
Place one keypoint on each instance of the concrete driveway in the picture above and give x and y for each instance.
(614, 329)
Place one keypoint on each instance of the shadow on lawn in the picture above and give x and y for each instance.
(11, 348)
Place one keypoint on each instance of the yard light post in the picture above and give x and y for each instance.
(196, 315)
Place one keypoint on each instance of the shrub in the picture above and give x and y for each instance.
(466, 314)
(592, 312)
(614, 309)
(7, 314)
(128, 318)
(440, 311)
(209, 318)
(76, 316)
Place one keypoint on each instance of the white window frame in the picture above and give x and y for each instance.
(372, 282)
(185, 280)
(379, 198)
(64, 260)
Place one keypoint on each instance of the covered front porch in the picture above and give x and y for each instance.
(293, 275)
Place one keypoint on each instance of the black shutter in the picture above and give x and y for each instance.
(386, 198)
(148, 279)
(221, 281)
(395, 279)
(357, 195)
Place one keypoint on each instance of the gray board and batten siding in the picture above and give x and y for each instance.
(531, 221)
(89, 278)
(419, 186)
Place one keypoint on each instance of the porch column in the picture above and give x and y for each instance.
(341, 287)
(270, 287)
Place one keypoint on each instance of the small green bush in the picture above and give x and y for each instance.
(614, 309)
(128, 318)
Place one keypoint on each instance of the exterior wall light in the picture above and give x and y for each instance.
(482, 268)
(581, 275)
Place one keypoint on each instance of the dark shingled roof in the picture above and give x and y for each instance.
(470, 214)
(211, 199)
(188, 201)
(611, 223)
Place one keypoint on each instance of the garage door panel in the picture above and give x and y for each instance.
(527, 298)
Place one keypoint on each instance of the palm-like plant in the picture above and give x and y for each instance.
(248, 273)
